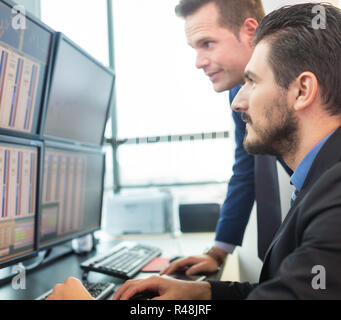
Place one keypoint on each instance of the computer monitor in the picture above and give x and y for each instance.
(72, 193)
(80, 96)
(20, 178)
(24, 71)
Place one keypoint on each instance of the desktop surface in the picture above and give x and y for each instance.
(44, 278)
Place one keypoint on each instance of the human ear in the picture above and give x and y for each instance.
(304, 89)
(248, 30)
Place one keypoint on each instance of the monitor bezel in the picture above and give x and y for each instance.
(46, 80)
(69, 237)
(59, 37)
(39, 145)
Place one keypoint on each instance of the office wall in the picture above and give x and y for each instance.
(270, 5)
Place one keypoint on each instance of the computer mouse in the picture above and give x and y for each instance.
(145, 295)
(181, 275)
(173, 258)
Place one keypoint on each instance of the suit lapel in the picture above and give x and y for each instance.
(329, 154)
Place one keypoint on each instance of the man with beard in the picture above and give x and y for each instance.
(221, 32)
(291, 103)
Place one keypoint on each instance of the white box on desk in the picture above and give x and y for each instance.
(148, 213)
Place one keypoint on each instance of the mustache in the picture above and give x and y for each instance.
(246, 118)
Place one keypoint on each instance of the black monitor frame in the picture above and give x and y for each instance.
(58, 39)
(73, 148)
(45, 89)
(39, 145)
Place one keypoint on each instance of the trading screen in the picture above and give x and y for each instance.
(18, 183)
(72, 193)
(79, 97)
(24, 55)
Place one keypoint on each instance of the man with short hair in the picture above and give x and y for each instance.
(291, 104)
(221, 33)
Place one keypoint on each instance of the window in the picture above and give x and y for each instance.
(83, 21)
(160, 92)
(175, 162)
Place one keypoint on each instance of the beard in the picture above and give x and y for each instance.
(280, 137)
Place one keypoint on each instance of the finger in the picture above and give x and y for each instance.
(180, 264)
(164, 270)
(55, 292)
(50, 297)
(150, 284)
(164, 297)
(169, 264)
(197, 268)
(171, 268)
(123, 288)
(71, 281)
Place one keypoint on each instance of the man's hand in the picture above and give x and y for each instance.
(71, 289)
(165, 289)
(195, 264)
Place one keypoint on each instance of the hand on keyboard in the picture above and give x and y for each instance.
(71, 289)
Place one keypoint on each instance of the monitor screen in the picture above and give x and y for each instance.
(72, 193)
(19, 183)
(80, 95)
(24, 63)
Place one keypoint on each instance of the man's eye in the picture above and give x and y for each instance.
(207, 44)
(251, 82)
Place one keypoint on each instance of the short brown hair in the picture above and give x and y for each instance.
(296, 46)
(233, 13)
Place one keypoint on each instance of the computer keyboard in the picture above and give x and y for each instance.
(124, 261)
(99, 291)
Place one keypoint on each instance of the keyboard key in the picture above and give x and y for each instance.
(124, 261)
(99, 291)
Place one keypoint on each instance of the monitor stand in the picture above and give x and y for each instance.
(44, 258)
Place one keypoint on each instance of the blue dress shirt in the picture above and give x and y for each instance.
(300, 174)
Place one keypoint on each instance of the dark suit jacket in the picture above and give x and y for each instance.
(309, 238)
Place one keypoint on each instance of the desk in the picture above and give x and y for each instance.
(45, 277)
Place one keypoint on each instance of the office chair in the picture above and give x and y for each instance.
(198, 217)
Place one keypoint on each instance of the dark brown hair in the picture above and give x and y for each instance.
(297, 45)
(232, 12)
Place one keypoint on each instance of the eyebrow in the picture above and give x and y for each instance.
(250, 75)
(200, 41)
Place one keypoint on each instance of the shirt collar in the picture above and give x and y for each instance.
(301, 172)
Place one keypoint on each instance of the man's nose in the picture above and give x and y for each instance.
(241, 101)
(202, 61)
